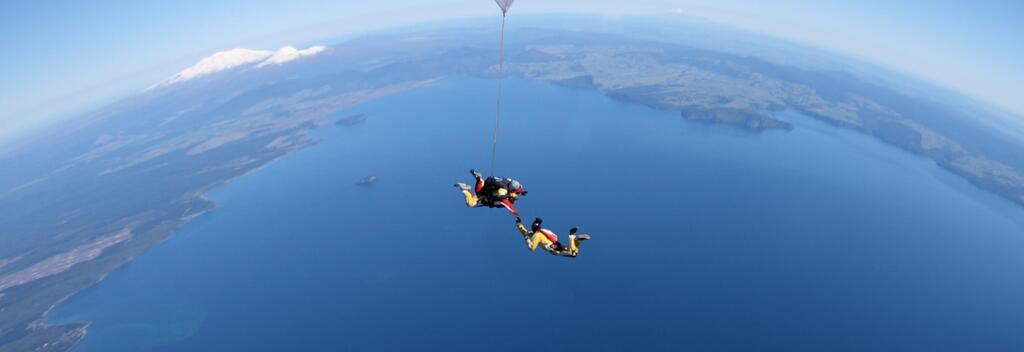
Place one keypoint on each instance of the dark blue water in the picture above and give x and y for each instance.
(705, 239)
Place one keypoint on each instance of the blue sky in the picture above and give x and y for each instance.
(63, 57)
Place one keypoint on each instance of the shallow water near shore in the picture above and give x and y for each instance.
(706, 238)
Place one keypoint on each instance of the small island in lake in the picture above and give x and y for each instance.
(368, 180)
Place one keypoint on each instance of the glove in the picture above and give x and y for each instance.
(524, 193)
(519, 220)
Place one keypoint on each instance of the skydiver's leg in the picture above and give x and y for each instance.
(537, 239)
(574, 247)
(560, 250)
(479, 180)
(574, 242)
(472, 200)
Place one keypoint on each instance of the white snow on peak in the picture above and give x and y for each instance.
(289, 53)
(219, 62)
(233, 58)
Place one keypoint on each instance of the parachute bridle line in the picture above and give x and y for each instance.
(504, 5)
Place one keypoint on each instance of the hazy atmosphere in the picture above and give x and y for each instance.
(65, 57)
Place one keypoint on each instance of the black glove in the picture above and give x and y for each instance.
(518, 220)
(573, 230)
(524, 193)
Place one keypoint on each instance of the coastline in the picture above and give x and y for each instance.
(196, 204)
(201, 196)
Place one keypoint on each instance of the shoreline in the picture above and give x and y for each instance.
(299, 140)
(41, 322)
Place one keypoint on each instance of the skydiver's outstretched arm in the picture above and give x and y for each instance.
(532, 239)
(522, 229)
(526, 234)
(511, 208)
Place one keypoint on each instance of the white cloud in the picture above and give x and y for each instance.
(237, 57)
(289, 53)
(217, 62)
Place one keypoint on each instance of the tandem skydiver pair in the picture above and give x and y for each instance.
(492, 192)
(497, 192)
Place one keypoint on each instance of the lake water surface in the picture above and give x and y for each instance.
(706, 238)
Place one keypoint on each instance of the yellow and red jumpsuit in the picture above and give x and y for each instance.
(507, 197)
(548, 240)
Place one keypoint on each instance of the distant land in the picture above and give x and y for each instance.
(84, 198)
(717, 87)
(352, 120)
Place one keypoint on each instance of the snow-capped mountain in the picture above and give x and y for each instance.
(289, 53)
(238, 57)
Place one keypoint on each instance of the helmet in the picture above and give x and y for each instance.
(515, 185)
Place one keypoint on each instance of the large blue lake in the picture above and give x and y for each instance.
(706, 238)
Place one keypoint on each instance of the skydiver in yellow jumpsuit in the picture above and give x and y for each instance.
(548, 240)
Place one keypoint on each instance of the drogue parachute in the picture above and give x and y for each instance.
(504, 5)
